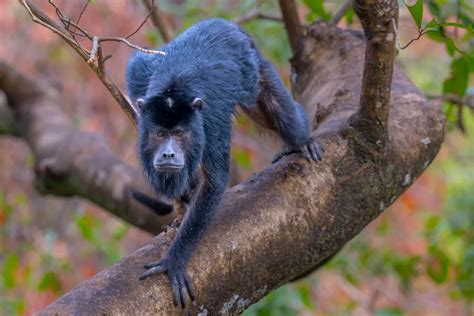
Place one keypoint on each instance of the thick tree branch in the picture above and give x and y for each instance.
(289, 11)
(378, 19)
(70, 162)
(287, 220)
(159, 20)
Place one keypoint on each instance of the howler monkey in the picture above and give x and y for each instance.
(186, 100)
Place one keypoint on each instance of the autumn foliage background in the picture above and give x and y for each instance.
(416, 259)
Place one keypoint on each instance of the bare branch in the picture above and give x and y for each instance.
(256, 14)
(93, 58)
(141, 24)
(82, 11)
(379, 19)
(341, 11)
(289, 11)
(159, 21)
(126, 42)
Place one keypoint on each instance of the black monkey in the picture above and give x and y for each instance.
(186, 100)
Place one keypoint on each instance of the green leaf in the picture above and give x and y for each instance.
(50, 281)
(459, 79)
(416, 12)
(10, 266)
(317, 8)
(437, 265)
(388, 312)
(465, 279)
(349, 16)
(406, 270)
(243, 159)
(86, 225)
(304, 291)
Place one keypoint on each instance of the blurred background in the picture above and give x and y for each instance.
(417, 258)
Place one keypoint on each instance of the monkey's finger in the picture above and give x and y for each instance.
(319, 149)
(306, 153)
(189, 286)
(151, 271)
(152, 265)
(175, 289)
(315, 153)
(183, 294)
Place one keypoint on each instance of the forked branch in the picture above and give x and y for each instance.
(93, 57)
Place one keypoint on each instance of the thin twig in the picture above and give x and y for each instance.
(340, 12)
(254, 14)
(421, 32)
(94, 59)
(126, 42)
(159, 21)
(67, 23)
(150, 12)
(82, 12)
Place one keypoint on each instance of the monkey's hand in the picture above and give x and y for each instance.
(312, 150)
(179, 279)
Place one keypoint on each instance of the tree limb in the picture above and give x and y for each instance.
(340, 12)
(254, 14)
(378, 19)
(70, 162)
(289, 219)
(289, 11)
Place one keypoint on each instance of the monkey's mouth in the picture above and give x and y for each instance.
(168, 168)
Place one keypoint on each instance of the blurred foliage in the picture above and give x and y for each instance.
(422, 248)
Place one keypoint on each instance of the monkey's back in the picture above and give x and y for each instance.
(215, 57)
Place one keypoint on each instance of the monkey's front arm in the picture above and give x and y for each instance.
(195, 222)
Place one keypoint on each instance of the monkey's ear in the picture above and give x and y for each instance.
(139, 104)
(198, 103)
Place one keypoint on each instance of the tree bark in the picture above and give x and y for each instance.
(287, 220)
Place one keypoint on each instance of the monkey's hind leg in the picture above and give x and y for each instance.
(285, 116)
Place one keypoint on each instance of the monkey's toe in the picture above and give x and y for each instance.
(314, 151)
(311, 151)
(181, 287)
(153, 270)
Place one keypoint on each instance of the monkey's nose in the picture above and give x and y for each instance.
(168, 155)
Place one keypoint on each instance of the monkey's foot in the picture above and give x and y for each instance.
(179, 279)
(311, 150)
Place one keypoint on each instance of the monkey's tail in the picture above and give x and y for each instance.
(158, 207)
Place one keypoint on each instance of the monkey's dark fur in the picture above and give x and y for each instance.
(186, 102)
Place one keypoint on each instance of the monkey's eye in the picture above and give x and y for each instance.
(160, 134)
(178, 133)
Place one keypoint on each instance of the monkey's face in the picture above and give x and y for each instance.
(167, 147)
(171, 135)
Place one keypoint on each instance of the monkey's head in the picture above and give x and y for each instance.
(170, 135)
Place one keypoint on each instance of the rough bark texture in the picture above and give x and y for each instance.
(70, 162)
(285, 221)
